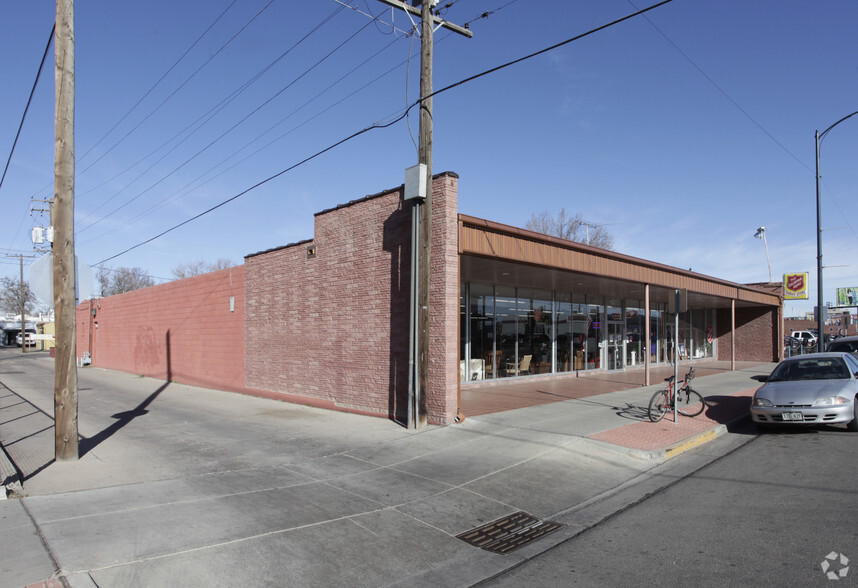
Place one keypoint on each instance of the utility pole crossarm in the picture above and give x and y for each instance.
(438, 21)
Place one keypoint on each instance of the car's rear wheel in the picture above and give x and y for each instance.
(852, 426)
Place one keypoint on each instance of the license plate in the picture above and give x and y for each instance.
(793, 416)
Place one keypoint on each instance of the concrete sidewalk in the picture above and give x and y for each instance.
(182, 486)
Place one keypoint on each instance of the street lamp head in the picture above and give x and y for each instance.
(761, 232)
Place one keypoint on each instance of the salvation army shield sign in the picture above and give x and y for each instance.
(795, 286)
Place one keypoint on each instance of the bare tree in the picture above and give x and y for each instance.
(195, 268)
(123, 279)
(10, 296)
(571, 228)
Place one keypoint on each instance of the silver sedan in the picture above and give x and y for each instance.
(817, 389)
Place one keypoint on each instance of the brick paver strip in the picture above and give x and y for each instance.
(647, 436)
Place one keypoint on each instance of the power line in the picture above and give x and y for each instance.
(375, 19)
(182, 85)
(383, 125)
(261, 183)
(744, 112)
(547, 49)
(178, 193)
(721, 90)
(208, 116)
(29, 100)
(161, 79)
(485, 14)
(244, 119)
(79, 173)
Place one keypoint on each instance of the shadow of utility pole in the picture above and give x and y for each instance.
(87, 444)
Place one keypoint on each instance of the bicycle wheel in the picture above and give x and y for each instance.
(658, 405)
(690, 403)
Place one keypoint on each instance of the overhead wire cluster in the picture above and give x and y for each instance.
(96, 212)
(157, 198)
(381, 125)
(120, 190)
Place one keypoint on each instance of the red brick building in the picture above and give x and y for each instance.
(325, 321)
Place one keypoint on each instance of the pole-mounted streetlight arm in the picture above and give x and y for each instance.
(819, 318)
(825, 132)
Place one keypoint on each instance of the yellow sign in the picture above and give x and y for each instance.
(795, 286)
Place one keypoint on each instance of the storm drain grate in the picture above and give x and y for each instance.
(509, 533)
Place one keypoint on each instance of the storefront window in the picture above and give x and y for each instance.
(536, 331)
(564, 328)
(464, 337)
(594, 337)
(635, 333)
(506, 330)
(615, 335)
(684, 336)
(656, 335)
(482, 330)
(580, 332)
(709, 333)
(698, 333)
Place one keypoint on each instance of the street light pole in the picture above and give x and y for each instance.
(761, 234)
(819, 318)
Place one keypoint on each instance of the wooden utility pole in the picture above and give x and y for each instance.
(65, 369)
(424, 209)
(424, 156)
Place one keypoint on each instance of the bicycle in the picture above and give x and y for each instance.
(662, 401)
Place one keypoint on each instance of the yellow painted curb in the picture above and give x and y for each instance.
(684, 446)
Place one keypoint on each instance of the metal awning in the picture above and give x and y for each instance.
(493, 253)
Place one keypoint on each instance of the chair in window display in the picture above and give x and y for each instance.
(523, 366)
(492, 359)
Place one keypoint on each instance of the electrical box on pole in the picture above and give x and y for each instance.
(415, 182)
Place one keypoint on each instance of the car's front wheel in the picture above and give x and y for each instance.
(852, 426)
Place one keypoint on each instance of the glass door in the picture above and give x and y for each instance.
(616, 345)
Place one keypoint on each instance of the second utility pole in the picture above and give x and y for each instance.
(424, 210)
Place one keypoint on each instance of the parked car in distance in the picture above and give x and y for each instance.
(806, 337)
(19, 340)
(818, 389)
(846, 344)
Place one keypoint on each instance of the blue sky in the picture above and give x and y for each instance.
(682, 131)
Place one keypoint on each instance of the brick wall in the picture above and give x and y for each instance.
(444, 295)
(756, 334)
(333, 327)
(182, 331)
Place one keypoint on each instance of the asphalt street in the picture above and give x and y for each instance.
(781, 510)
